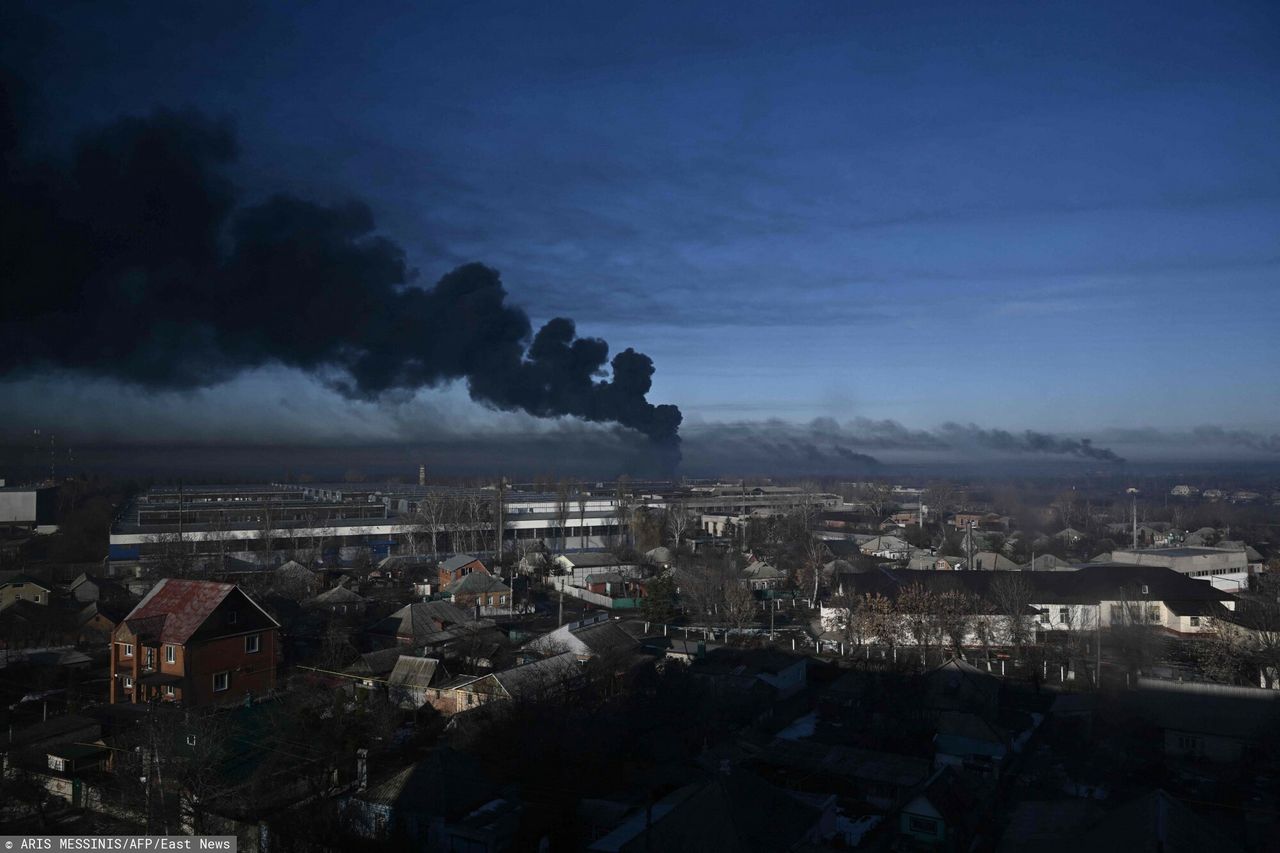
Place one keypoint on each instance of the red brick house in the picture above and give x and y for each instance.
(194, 642)
(458, 567)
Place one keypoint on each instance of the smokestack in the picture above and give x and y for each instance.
(362, 769)
(422, 475)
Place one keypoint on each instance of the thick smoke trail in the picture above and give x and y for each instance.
(1024, 442)
(1216, 435)
(137, 261)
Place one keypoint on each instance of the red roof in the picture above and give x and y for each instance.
(175, 609)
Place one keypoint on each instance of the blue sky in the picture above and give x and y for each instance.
(1053, 216)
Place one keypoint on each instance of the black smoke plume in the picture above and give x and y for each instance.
(136, 260)
(1024, 442)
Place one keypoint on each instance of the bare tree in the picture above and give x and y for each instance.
(816, 555)
(918, 607)
(1012, 595)
(623, 504)
(740, 606)
(880, 619)
(679, 519)
(562, 511)
(956, 618)
(877, 496)
(582, 517)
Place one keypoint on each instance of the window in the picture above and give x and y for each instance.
(37, 598)
(1153, 613)
(923, 824)
(1044, 616)
(503, 599)
(191, 740)
(56, 763)
(231, 617)
(128, 682)
(1064, 615)
(151, 657)
(1144, 589)
(128, 650)
(170, 654)
(1195, 621)
(169, 691)
(252, 643)
(1117, 614)
(221, 681)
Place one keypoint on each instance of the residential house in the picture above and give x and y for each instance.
(941, 814)
(761, 576)
(411, 679)
(459, 566)
(1213, 723)
(17, 586)
(480, 590)
(442, 803)
(429, 623)
(97, 621)
(195, 642)
(578, 567)
(540, 679)
(339, 601)
(887, 547)
(988, 561)
(1069, 535)
(1049, 563)
(595, 636)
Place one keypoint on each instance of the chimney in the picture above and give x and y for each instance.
(422, 475)
(362, 769)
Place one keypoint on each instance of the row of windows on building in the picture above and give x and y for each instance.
(1120, 613)
(252, 645)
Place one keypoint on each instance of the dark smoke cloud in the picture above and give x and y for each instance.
(1245, 439)
(826, 446)
(137, 260)
(1024, 442)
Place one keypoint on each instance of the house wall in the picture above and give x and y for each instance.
(920, 821)
(248, 673)
(23, 591)
(1211, 747)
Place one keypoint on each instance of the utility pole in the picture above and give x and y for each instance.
(969, 544)
(1134, 493)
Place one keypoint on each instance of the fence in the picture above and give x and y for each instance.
(562, 584)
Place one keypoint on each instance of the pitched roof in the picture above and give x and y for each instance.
(758, 570)
(23, 578)
(457, 561)
(476, 583)
(413, 672)
(338, 595)
(427, 619)
(549, 673)
(175, 609)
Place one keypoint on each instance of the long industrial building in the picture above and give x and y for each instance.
(338, 523)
